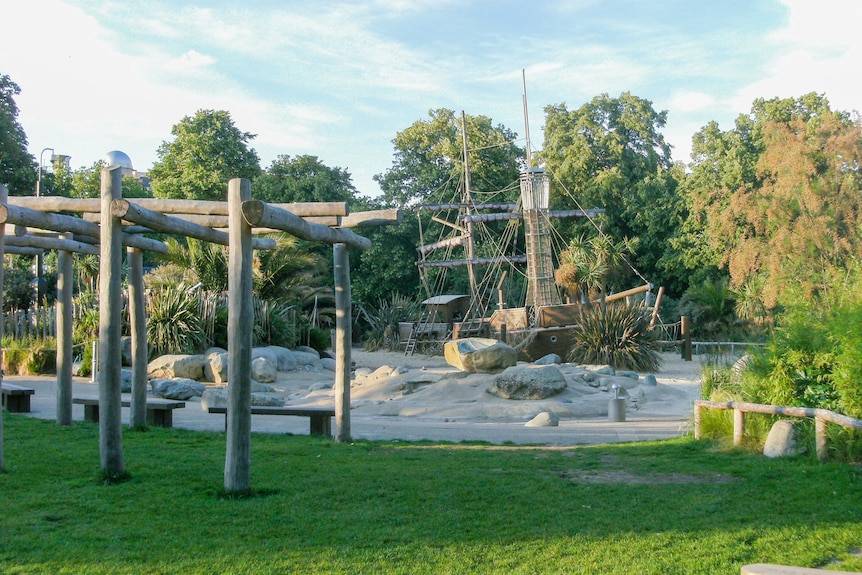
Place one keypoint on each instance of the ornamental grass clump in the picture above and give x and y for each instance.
(618, 334)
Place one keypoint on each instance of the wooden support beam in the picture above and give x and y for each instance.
(166, 206)
(258, 213)
(63, 245)
(13, 214)
(110, 329)
(4, 194)
(65, 281)
(372, 218)
(23, 251)
(156, 221)
(138, 323)
(343, 342)
(240, 325)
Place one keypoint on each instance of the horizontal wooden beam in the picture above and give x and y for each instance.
(19, 215)
(23, 251)
(167, 206)
(52, 244)
(258, 213)
(372, 218)
(159, 222)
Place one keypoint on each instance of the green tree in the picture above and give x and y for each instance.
(207, 151)
(303, 179)
(86, 183)
(779, 196)
(17, 166)
(429, 160)
(611, 153)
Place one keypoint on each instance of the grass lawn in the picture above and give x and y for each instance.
(665, 507)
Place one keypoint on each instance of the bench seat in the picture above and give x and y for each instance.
(159, 411)
(320, 418)
(16, 398)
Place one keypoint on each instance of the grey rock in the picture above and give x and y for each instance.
(782, 440)
(480, 355)
(650, 380)
(258, 387)
(528, 382)
(266, 353)
(551, 358)
(126, 381)
(215, 370)
(327, 363)
(264, 370)
(305, 359)
(320, 385)
(544, 419)
(629, 374)
(286, 359)
(309, 350)
(126, 346)
(179, 388)
(217, 397)
(173, 366)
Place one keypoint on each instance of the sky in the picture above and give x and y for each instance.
(339, 79)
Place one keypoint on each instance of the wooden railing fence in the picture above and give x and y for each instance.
(37, 322)
(740, 408)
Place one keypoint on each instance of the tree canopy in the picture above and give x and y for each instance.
(207, 151)
(429, 159)
(610, 153)
(303, 179)
(17, 166)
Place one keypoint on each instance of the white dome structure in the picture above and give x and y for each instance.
(118, 158)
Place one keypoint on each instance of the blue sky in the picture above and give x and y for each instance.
(339, 79)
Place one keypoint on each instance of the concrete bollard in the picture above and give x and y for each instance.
(616, 406)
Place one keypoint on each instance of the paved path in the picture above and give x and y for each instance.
(637, 427)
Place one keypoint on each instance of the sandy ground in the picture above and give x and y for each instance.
(398, 397)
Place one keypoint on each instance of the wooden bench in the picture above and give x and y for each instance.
(159, 411)
(16, 398)
(320, 418)
(769, 569)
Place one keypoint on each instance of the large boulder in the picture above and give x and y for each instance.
(528, 382)
(181, 388)
(285, 357)
(215, 369)
(307, 360)
(479, 355)
(126, 347)
(264, 370)
(782, 440)
(174, 366)
(544, 419)
(126, 381)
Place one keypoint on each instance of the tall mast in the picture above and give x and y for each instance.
(526, 120)
(468, 199)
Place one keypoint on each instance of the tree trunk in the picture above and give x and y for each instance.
(65, 279)
(138, 321)
(341, 264)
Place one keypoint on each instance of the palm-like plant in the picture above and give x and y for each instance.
(617, 335)
(174, 322)
(588, 263)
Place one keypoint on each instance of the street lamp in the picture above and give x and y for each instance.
(40, 290)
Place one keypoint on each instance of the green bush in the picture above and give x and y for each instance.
(618, 334)
(174, 322)
(383, 329)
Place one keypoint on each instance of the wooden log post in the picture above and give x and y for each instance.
(685, 334)
(65, 280)
(738, 426)
(343, 323)
(237, 469)
(4, 196)
(698, 414)
(110, 329)
(138, 322)
(821, 439)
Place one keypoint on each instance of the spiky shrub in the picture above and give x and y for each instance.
(274, 324)
(174, 323)
(617, 335)
(383, 329)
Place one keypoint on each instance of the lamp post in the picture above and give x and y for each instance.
(40, 292)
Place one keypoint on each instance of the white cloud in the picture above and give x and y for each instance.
(691, 101)
(191, 60)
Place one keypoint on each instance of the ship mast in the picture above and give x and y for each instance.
(468, 200)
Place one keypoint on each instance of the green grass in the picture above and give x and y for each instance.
(671, 507)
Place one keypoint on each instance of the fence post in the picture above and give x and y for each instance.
(697, 416)
(738, 426)
(685, 333)
(820, 439)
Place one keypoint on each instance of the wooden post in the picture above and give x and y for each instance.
(697, 416)
(654, 316)
(738, 426)
(110, 329)
(65, 280)
(138, 321)
(4, 196)
(343, 322)
(685, 334)
(237, 469)
(503, 335)
(821, 440)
